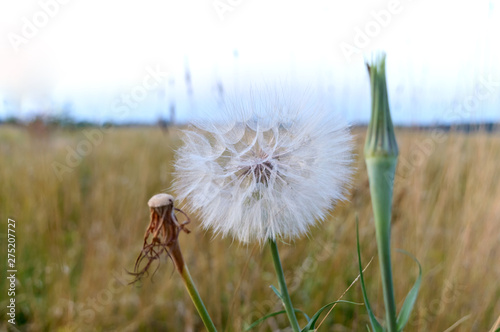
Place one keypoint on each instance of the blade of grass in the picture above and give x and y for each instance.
(495, 325)
(375, 324)
(277, 292)
(312, 322)
(460, 321)
(233, 302)
(407, 307)
(341, 296)
(261, 320)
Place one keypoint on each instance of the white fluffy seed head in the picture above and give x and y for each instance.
(268, 169)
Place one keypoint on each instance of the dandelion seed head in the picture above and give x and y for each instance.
(268, 169)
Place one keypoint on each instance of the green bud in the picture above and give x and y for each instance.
(381, 157)
(380, 139)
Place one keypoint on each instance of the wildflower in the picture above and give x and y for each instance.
(266, 170)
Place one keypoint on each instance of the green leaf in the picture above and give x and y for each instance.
(375, 324)
(297, 310)
(277, 292)
(303, 313)
(260, 320)
(407, 308)
(312, 321)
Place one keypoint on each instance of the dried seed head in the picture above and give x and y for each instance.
(160, 200)
(161, 234)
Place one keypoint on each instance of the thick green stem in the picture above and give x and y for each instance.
(285, 297)
(191, 288)
(381, 172)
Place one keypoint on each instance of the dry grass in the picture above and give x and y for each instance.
(76, 238)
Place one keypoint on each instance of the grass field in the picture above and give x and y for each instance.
(79, 229)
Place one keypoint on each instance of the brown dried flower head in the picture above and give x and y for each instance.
(161, 235)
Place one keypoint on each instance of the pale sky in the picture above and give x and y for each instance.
(93, 54)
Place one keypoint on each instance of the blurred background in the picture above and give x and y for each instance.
(93, 60)
(93, 95)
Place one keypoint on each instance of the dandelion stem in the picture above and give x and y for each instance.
(285, 297)
(191, 288)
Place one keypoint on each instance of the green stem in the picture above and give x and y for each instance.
(198, 303)
(384, 256)
(285, 297)
(176, 255)
(381, 172)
